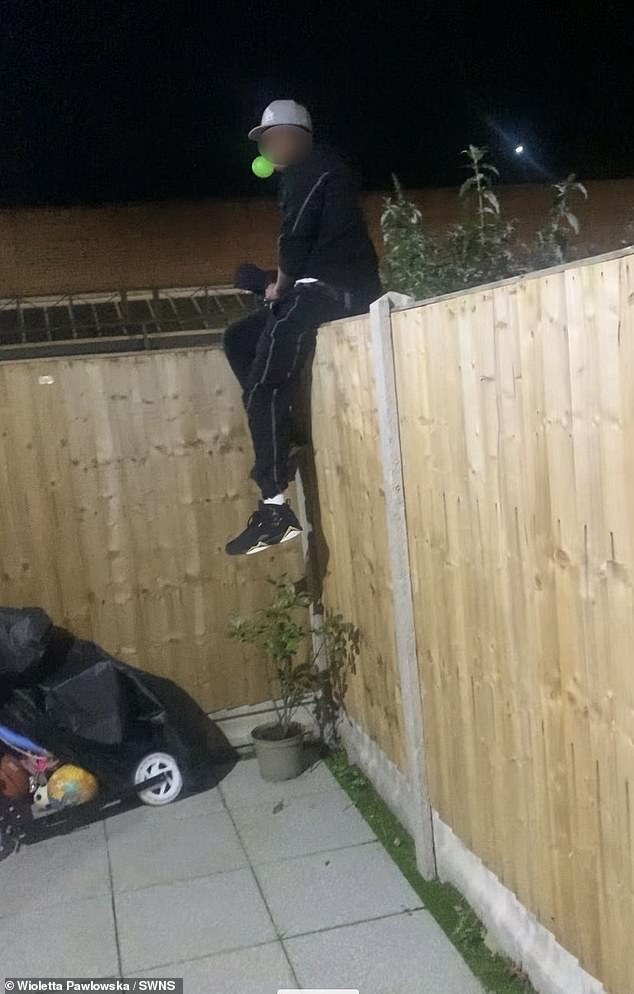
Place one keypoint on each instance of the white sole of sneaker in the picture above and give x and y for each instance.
(291, 533)
(262, 546)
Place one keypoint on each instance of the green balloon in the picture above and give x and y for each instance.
(262, 167)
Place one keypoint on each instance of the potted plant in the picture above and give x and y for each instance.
(301, 660)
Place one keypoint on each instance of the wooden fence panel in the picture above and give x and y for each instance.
(516, 409)
(347, 456)
(121, 480)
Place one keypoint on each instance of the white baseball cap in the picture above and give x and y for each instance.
(282, 112)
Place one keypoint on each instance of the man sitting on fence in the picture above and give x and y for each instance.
(327, 270)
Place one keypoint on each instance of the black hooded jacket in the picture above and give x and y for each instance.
(323, 233)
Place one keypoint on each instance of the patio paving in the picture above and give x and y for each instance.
(246, 889)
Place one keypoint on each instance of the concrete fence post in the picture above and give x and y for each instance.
(385, 379)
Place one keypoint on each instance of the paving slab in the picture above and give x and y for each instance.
(207, 802)
(57, 871)
(259, 970)
(324, 890)
(78, 943)
(159, 851)
(195, 918)
(301, 826)
(405, 954)
(244, 787)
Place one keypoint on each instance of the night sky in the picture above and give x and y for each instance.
(114, 100)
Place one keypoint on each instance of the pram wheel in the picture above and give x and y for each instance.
(157, 764)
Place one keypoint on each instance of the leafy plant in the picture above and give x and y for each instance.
(553, 239)
(476, 251)
(469, 928)
(481, 249)
(294, 668)
(473, 256)
(336, 659)
(478, 186)
(409, 256)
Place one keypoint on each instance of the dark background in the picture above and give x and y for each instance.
(115, 100)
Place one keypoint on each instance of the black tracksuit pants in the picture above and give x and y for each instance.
(267, 351)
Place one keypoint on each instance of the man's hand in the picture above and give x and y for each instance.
(275, 290)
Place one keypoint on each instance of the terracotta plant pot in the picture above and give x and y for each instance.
(279, 758)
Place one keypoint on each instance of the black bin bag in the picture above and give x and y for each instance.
(86, 707)
(25, 634)
(84, 695)
(178, 722)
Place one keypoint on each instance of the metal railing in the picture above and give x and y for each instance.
(116, 321)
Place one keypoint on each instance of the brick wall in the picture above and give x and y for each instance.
(190, 243)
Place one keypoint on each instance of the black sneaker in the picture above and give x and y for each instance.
(270, 525)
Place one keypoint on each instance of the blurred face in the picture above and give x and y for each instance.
(285, 145)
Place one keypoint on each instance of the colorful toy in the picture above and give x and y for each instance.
(40, 797)
(14, 779)
(71, 785)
